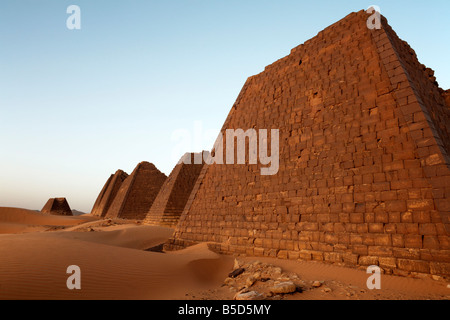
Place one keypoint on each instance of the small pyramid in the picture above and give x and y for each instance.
(58, 207)
(137, 193)
(174, 194)
(108, 193)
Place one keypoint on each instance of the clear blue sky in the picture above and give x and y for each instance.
(75, 106)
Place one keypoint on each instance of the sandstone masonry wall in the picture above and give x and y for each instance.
(57, 206)
(363, 160)
(174, 194)
(108, 193)
(95, 208)
(137, 193)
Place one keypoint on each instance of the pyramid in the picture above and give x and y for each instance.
(137, 193)
(108, 193)
(175, 192)
(364, 143)
(57, 206)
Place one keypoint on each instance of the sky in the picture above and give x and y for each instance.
(147, 80)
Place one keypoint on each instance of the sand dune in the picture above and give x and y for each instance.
(33, 266)
(113, 260)
(115, 264)
(8, 227)
(29, 217)
(126, 236)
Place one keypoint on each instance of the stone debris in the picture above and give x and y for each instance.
(267, 281)
(252, 295)
(236, 273)
(317, 284)
(228, 281)
(284, 287)
(252, 279)
(237, 264)
(326, 290)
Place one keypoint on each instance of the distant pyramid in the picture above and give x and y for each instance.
(364, 161)
(174, 194)
(137, 193)
(108, 193)
(57, 206)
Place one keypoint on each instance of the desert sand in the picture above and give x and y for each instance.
(116, 263)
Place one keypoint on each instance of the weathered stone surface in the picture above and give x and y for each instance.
(237, 264)
(250, 281)
(317, 284)
(284, 287)
(440, 268)
(95, 208)
(252, 295)
(364, 158)
(446, 95)
(137, 193)
(229, 281)
(108, 193)
(174, 194)
(236, 273)
(57, 206)
(266, 279)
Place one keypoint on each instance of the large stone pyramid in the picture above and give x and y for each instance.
(175, 193)
(364, 173)
(57, 206)
(108, 193)
(137, 193)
